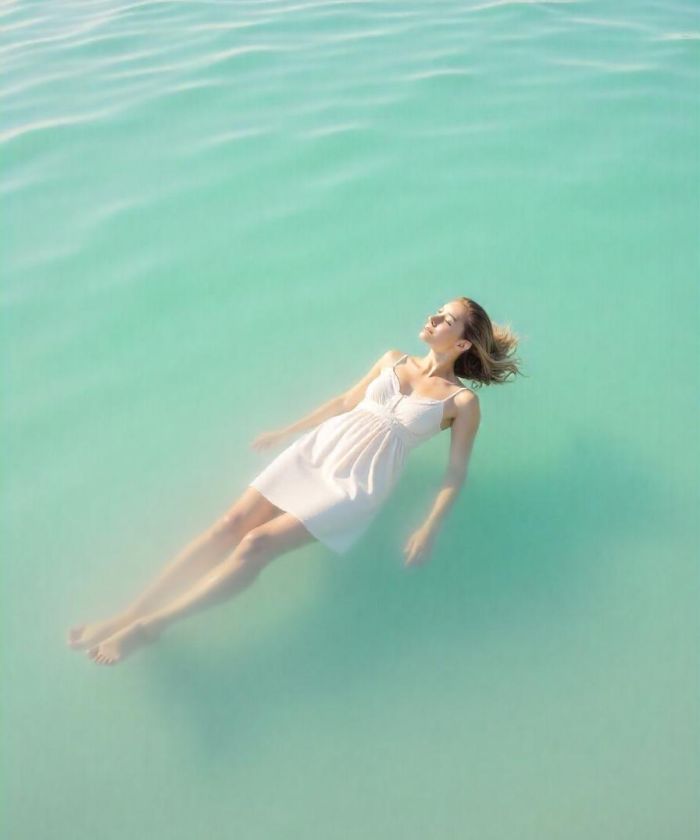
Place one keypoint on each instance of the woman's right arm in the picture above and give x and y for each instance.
(337, 405)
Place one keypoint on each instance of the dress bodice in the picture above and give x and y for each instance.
(415, 418)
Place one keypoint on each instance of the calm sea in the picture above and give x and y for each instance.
(217, 215)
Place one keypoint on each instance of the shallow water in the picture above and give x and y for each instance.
(215, 216)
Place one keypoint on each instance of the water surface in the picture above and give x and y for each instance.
(216, 215)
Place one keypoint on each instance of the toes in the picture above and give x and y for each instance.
(101, 657)
(105, 656)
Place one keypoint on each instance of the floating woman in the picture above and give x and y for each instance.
(329, 484)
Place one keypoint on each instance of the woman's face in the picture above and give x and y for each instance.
(444, 327)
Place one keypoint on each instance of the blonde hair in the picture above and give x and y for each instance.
(490, 359)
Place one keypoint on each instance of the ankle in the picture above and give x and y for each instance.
(129, 616)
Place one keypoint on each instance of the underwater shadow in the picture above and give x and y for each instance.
(509, 547)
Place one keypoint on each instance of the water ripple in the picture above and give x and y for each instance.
(493, 4)
(608, 23)
(53, 122)
(23, 24)
(228, 26)
(223, 138)
(40, 40)
(205, 61)
(437, 73)
(607, 66)
(338, 128)
(678, 36)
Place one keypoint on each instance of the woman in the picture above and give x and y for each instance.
(330, 483)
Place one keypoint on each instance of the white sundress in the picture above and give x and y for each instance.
(335, 477)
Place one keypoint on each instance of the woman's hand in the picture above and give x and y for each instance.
(268, 439)
(419, 547)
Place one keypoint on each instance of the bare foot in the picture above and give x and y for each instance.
(122, 643)
(83, 636)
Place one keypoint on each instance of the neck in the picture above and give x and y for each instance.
(438, 364)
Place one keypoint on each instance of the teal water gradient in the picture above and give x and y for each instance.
(215, 216)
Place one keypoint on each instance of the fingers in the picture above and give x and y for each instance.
(415, 552)
(265, 440)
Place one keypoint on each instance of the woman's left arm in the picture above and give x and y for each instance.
(464, 429)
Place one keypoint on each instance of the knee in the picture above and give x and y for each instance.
(256, 547)
(230, 525)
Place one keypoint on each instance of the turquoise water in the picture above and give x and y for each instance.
(215, 217)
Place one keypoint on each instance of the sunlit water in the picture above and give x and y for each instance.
(216, 215)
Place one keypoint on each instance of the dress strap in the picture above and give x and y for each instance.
(405, 356)
(464, 388)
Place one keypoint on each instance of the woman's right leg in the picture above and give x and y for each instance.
(193, 562)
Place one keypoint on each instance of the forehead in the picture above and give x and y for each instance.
(452, 308)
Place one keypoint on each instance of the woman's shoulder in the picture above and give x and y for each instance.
(392, 356)
(467, 402)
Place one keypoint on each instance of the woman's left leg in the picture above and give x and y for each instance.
(193, 562)
(233, 574)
